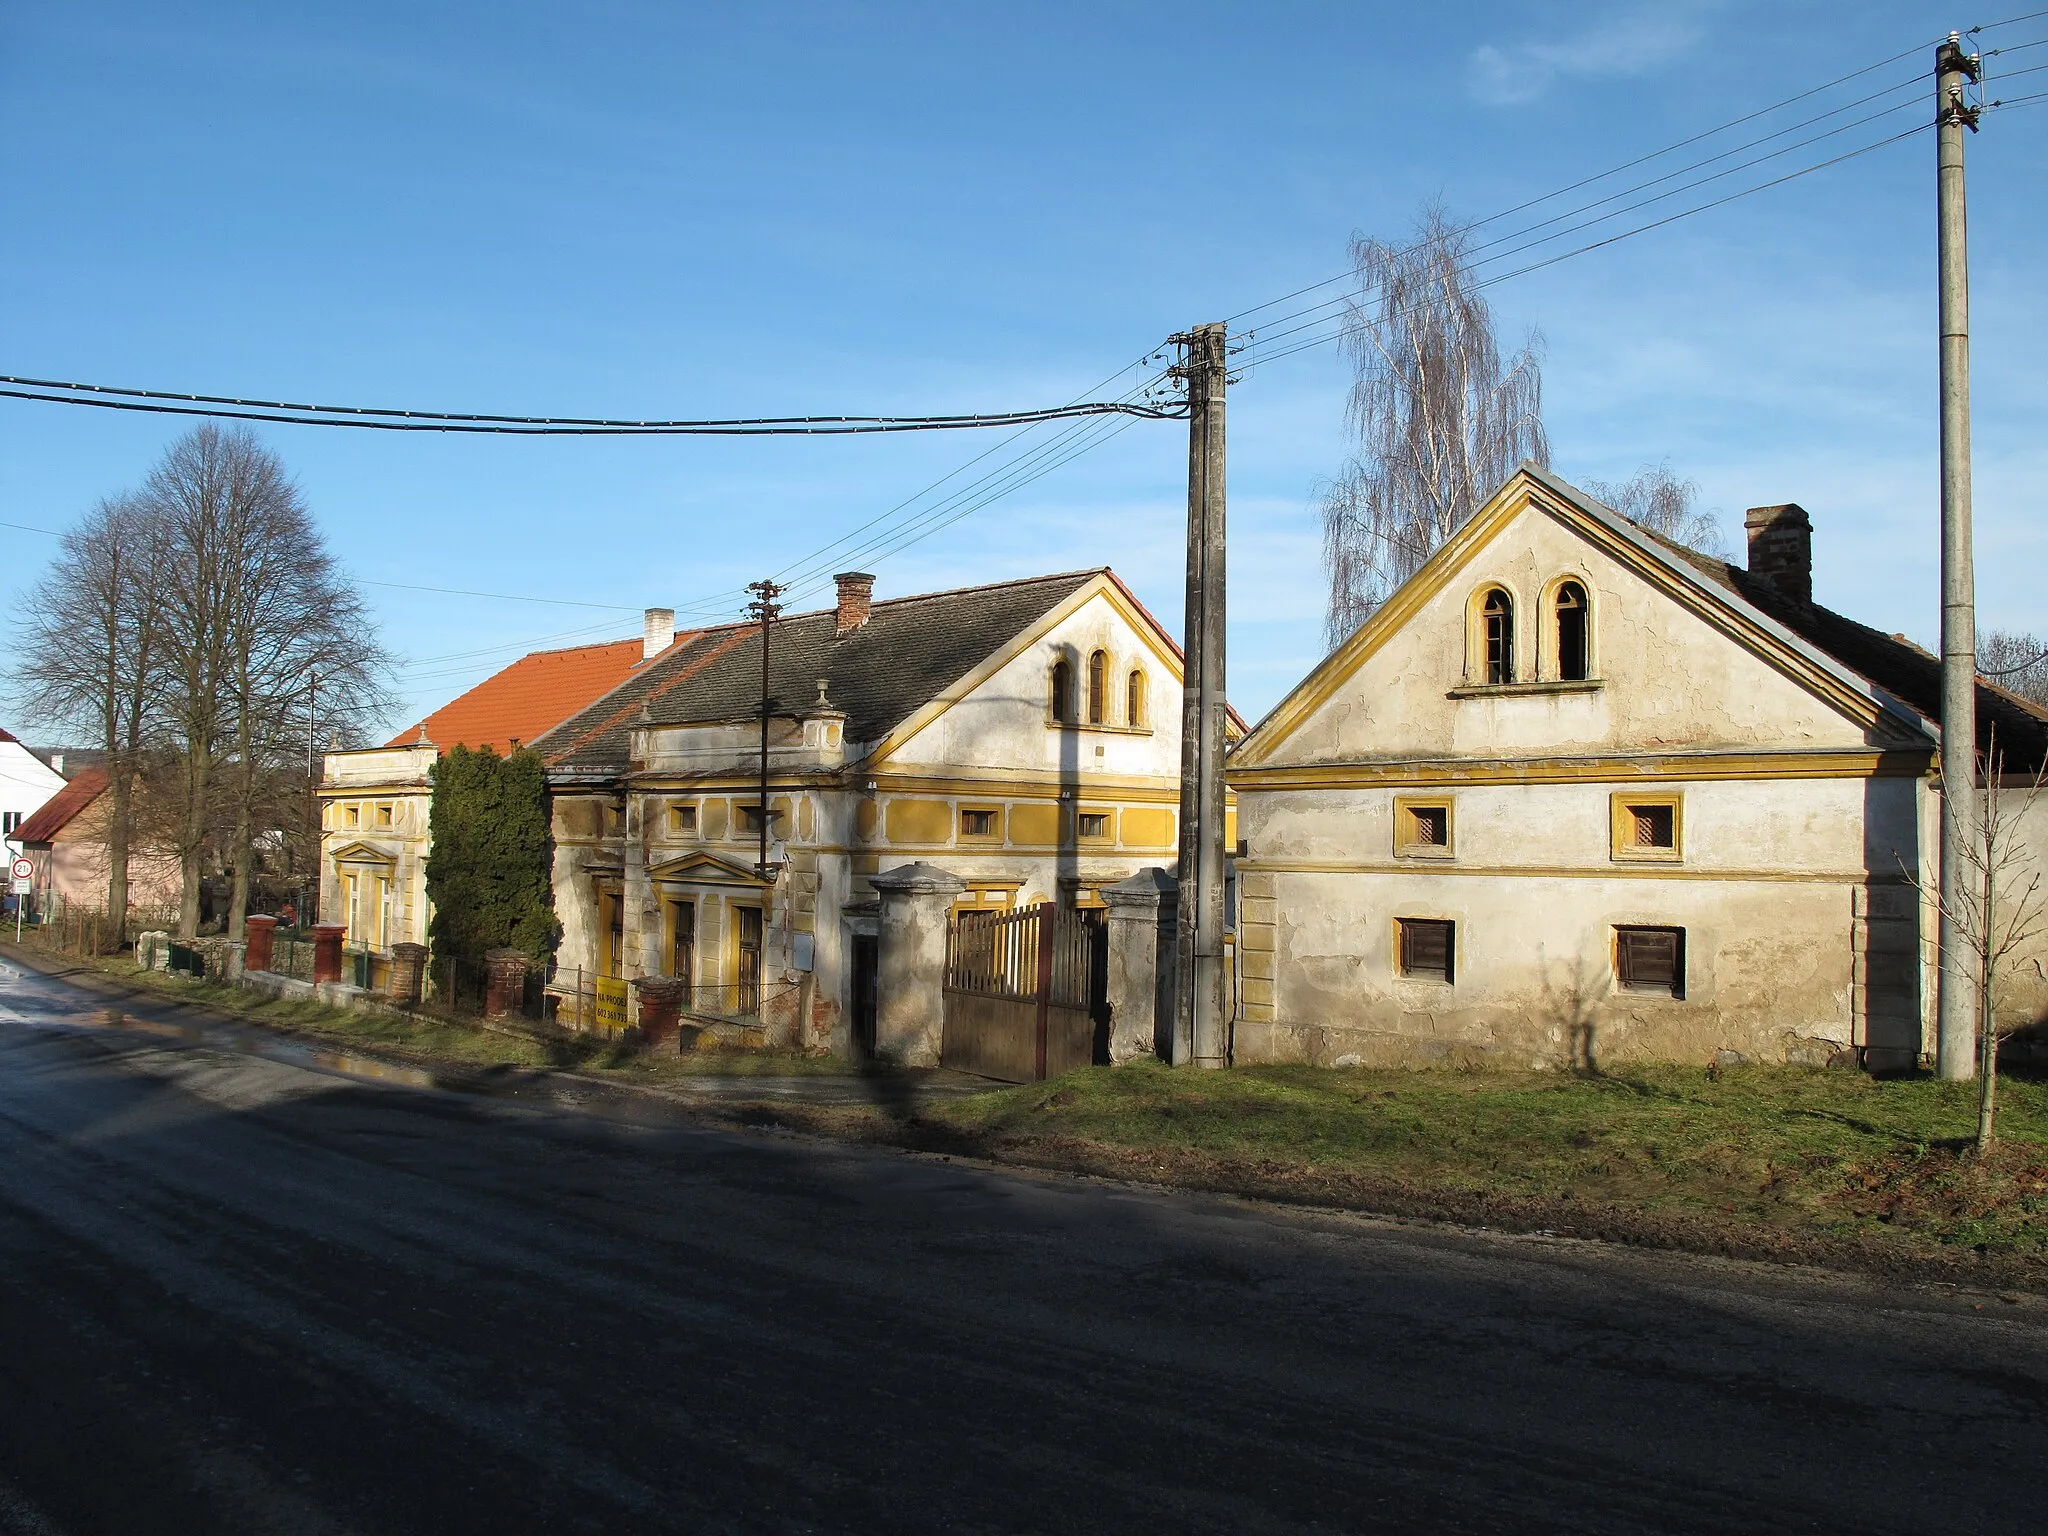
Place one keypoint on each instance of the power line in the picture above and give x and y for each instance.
(1627, 165)
(378, 418)
(506, 597)
(1333, 335)
(24, 527)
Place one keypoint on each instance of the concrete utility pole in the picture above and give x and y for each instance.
(1201, 1024)
(1956, 1054)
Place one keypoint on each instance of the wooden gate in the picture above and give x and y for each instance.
(1024, 992)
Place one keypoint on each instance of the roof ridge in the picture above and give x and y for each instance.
(926, 597)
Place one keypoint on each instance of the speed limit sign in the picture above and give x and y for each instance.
(24, 875)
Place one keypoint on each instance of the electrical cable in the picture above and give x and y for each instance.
(1256, 361)
(108, 397)
(1627, 165)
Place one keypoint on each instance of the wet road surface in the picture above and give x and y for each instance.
(238, 1294)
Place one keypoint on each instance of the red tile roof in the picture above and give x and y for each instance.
(537, 692)
(55, 813)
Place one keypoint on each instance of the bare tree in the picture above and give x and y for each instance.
(2002, 910)
(89, 651)
(251, 603)
(1658, 500)
(1442, 422)
(2016, 662)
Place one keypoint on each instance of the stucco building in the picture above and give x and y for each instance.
(1025, 735)
(66, 840)
(26, 783)
(374, 828)
(1577, 793)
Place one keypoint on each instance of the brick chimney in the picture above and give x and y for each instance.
(856, 594)
(1781, 549)
(659, 634)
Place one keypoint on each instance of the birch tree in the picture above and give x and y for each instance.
(1658, 500)
(1442, 420)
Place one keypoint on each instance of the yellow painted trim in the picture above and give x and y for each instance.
(1620, 827)
(1570, 872)
(1405, 845)
(1849, 763)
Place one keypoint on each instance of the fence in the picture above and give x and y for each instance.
(1024, 992)
(81, 930)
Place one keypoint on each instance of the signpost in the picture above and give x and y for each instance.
(24, 871)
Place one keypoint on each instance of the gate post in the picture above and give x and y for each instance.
(910, 1008)
(1143, 921)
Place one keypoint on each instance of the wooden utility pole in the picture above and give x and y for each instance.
(1201, 1024)
(1955, 1053)
(766, 609)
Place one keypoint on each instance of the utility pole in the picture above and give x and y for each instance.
(311, 910)
(1200, 1021)
(1955, 1052)
(767, 610)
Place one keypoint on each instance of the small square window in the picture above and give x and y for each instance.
(383, 815)
(1650, 960)
(1428, 948)
(750, 815)
(353, 815)
(1091, 824)
(977, 823)
(1648, 827)
(1422, 828)
(683, 819)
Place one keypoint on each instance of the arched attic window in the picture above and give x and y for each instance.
(1573, 633)
(1134, 699)
(1497, 622)
(1098, 687)
(1063, 691)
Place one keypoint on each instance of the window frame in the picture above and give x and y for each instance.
(993, 834)
(1137, 699)
(1103, 815)
(1497, 639)
(1098, 687)
(1555, 608)
(1406, 930)
(1624, 968)
(1060, 694)
(684, 818)
(1621, 827)
(681, 914)
(1406, 844)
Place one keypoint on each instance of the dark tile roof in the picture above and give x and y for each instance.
(908, 652)
(1889, 662)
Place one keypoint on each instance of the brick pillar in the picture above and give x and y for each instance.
(262, 936)
(504, 982)
(408, 970)
(661, 1009)
(327, 951)
(910, 1005)
(1143, 922)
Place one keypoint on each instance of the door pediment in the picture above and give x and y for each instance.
(705, 869)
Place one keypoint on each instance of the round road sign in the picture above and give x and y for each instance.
(24, 868)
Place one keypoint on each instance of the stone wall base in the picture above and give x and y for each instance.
(1261, 1042)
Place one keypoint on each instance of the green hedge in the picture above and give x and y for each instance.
(490, 874)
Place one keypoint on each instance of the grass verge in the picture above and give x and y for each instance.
(429, 1039)
(1782, 1163)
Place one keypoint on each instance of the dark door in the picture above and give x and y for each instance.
(866, 973)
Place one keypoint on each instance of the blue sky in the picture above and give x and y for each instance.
(681, 210)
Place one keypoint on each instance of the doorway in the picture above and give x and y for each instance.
(866, 979)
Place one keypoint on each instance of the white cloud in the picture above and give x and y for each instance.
(1623, 43)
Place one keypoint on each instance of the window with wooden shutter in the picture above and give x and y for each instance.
(1428, 947)
(1650, 960)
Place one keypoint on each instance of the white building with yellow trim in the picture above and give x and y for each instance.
(1023, 735)
(1574, 793)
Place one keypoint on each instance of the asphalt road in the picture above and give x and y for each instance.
(241, 1295)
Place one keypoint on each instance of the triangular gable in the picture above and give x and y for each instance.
(1103, 584)
(362, 853)
(1529, 487)
(705, 869)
